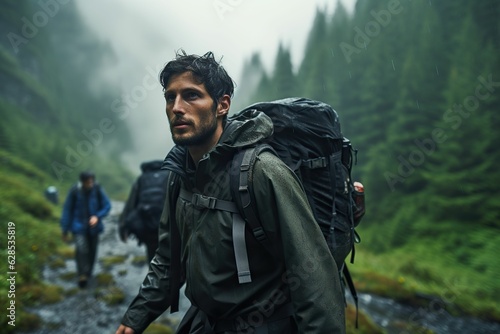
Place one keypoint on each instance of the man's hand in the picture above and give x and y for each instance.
(93, 221)
(124, 330)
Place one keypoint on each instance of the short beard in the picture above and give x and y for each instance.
(205, 132)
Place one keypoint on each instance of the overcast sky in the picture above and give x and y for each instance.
(145, 35)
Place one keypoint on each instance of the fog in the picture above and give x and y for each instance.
(146, 34)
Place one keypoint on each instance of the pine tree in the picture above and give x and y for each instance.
(283, 82)
(316, 69)
(458, 179)
(252, 74)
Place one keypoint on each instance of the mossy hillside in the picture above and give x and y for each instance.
(37, 235)
(52, 120)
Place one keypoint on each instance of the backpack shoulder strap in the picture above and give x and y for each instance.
(99, 194)
(242, 209)
(73, 190)
(173, 185)
(241, 185)
(238, 229)
(242, 194)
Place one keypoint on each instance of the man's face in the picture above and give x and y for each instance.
(190, 111)
(88, 184)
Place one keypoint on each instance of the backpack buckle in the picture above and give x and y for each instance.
(202, 201)
(315, 163)
(259, 234)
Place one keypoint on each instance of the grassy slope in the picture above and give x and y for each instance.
(435, 271)
(36, 234)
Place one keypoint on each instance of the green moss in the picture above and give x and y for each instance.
(109, 261)
(157, 328)
(41, 294)
(71, 292)
(57, 263)
(27, 322)
(10, 162)
(104, 279)
(111, 295)
(365, 324)
(66, 251)
(68, 276)
(122, 272)
(139, 260)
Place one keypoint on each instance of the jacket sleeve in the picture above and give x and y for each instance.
(311, 273)
(154, 294)
(67, 212)
(104, 205)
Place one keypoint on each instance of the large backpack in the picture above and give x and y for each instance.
(308, 138)
(144, 219)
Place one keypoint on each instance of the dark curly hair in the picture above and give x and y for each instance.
(206, 70)
(86, 175)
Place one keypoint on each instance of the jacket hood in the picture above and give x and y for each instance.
(149, 166)
(241, 130)
(245, 129)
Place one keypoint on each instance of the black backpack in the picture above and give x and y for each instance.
(308, 138)
(144, 219)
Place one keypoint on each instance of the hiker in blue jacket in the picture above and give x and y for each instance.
(85, 207)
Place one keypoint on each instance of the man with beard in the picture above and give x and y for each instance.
(294, 290)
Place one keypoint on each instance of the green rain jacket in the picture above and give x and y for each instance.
(303, 275)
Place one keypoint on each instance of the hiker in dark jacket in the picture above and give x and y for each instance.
(156, 193)
(295, 290)
(84, 209)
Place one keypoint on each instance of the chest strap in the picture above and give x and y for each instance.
(239, 242)
(207, 202)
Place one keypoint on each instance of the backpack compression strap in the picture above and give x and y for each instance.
(239, 242)
(352, 288)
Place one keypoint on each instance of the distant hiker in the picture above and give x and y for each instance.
(85, 207)
(295, 287)
(142, 211)
(52, 195)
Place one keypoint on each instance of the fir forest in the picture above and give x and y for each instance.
(416, 84)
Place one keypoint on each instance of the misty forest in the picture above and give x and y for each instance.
(415, 84)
